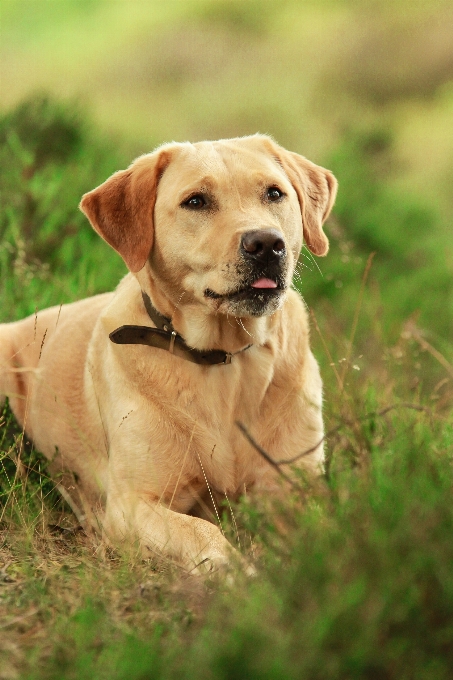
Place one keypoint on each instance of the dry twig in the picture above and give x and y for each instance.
(345, 422)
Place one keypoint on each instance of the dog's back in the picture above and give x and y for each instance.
(42, 363)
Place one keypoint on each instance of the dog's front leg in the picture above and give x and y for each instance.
(195, 544)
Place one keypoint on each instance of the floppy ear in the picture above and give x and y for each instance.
(316, 189)
(121, 209)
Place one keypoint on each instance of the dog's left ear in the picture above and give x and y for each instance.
(316, 189)
(121, 209)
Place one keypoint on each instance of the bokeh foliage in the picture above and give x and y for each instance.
(355, 581)
(49, 157)
(354, 576)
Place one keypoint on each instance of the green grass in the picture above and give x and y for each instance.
(50, 156)
(354, 575)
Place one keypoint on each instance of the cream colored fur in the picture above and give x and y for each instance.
(147, 436)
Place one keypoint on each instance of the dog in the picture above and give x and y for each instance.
(134, 395)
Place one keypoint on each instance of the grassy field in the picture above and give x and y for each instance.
(355, 576)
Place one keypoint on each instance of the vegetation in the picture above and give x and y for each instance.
(354, 576)
(49, 158)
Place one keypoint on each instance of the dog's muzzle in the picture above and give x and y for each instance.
(262, 269)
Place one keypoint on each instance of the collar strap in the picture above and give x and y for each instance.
(158, 319)
(165, 337)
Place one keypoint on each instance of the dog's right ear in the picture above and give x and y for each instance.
(316, 189)
(121, 209)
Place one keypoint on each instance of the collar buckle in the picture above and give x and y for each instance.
(171, 348)
(164, 331)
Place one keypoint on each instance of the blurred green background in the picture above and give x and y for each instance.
(302, 71)
(358, 582)
(365, 88)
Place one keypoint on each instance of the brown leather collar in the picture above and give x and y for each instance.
(165, 337)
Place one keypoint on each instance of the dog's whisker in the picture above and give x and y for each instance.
(239, 320)
(179, 301)
(313, 260)
(304, 265)
(228, 321)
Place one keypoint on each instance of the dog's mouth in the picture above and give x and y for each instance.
(261, 288)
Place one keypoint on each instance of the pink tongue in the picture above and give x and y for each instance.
(264, 283)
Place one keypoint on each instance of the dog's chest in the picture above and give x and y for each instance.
(200, 410)
(171, 424)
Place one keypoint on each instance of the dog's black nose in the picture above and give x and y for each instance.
(263, 245)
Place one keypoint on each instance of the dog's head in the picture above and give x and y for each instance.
(221, 223)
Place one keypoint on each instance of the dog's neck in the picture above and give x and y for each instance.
(200, 327)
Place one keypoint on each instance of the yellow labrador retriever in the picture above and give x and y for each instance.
(136, 393)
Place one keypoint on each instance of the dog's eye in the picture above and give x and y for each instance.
(195, 202)
(274, 194)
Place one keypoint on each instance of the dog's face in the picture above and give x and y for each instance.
(228, 228)
(221, 223)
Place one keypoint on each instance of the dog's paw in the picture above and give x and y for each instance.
(227, 563)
